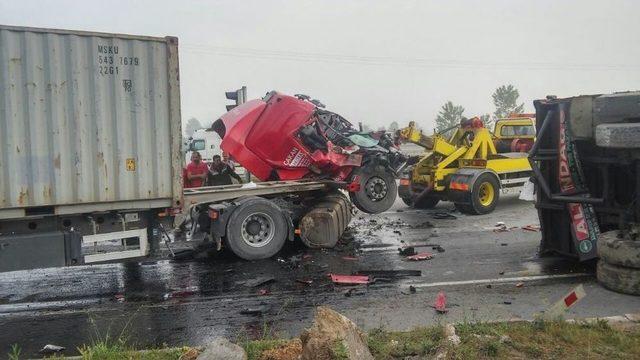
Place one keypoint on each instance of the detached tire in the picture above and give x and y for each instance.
(407, 201)
(619, 278)
(484, 195)
(427, 202)
(378, 190)
(619, 251)
(256, 229)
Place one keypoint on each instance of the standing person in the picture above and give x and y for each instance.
(220, 172)
(197, 171)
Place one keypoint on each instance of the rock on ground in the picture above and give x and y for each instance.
(329, 328)
(222, 349)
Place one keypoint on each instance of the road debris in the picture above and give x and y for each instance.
(254, 310)
(520, 284)
(52, 349)
(350, 258)
(441, 303)
(507, 302)
(443, 216)
(420, 256)
(261, 280)
(304, 281)
(534, 228)
(390, 274)
(263, 292)
(354, 291)
(349, 279)
(407, 251)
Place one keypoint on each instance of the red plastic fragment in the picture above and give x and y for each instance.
(420, 256)
(263, 292)
(441, 303)
(534, 228)
(350, 258)
(349, 279)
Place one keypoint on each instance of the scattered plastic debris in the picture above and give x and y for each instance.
(354, 291)
(51, 349)
(534, 228)
(520, 284)
(443, 215)
(305, 281)
(506, 302)
(263, 292)
(441, 303)
(119, 298)
(420, 256)
(349, 279)
(350, 258)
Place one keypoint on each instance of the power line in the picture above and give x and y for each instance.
(253, 53)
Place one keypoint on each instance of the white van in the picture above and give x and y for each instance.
(206, 142)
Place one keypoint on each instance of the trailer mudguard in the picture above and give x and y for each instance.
(461, 184)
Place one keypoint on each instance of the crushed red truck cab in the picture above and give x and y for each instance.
(282, 137)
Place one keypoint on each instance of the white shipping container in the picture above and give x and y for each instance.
(88, 122)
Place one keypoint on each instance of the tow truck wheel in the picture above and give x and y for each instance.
(256, 229)
(484, 195)
(378, 190)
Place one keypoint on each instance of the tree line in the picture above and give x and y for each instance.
(505, 100)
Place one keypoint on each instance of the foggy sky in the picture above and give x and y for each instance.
(373, 61)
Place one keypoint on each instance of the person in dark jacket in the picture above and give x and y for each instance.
(220, 172)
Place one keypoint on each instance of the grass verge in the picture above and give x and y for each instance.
(519, 340)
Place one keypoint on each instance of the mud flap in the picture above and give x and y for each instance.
(461, 184)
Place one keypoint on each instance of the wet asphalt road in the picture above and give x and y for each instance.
(190, 302)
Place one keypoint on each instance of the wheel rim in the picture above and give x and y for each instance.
(258, 229)
(376, 188)
(486, 194)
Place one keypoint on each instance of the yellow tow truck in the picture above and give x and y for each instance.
(471, 167)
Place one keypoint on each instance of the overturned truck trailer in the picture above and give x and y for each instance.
(586, 162)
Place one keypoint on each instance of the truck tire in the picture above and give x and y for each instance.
(484, 195)
(619, 251)
(256, 229)
(427, 202)
(619, 278)
(378, 190)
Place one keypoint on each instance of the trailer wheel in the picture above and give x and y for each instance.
(484, 195)
(619, 251)
(619, 278)
(378, 190)
(256, 229)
